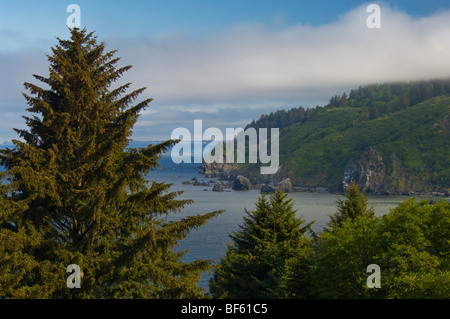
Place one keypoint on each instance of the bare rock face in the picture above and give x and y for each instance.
(286, 185)
(241, 183)
(219, 187)
(223, 170)
(267, 189)
(369, 172)
(372, 175)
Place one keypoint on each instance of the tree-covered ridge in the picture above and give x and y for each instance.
(282, 118)
(371, 136)
(386, 98)
(382, 98)
(74, 193)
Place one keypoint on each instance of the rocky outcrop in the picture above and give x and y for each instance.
(225, 171)
(368, 171)
(198, 183)
(267, 189)
(372, 175)
(219, 187)
(286, 185)
(241, 183)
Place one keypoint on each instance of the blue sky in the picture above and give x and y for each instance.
(38, 22)
(227, 62)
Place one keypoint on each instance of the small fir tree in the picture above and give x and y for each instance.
(268, 256)
(355, 204)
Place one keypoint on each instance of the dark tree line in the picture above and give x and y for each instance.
(390, 97)
(282, 118)
(380, 99)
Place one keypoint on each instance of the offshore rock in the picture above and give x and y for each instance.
(219, 187)
(241, 183)
(286, 185)
(267, 189)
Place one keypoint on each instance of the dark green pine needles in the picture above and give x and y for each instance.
(73, 193)
(268, 257)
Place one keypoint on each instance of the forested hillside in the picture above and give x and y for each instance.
(391, 138)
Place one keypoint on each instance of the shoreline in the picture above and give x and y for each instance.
(228, 184)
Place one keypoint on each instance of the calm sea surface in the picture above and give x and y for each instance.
(209, 241)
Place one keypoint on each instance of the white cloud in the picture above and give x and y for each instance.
(248, 66)
(258, 62)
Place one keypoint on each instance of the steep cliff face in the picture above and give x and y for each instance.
(368, 171)
(373, 175)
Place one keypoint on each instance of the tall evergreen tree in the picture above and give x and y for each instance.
(268, 257)
(74, 193)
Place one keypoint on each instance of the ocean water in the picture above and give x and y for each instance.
(209, 241)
